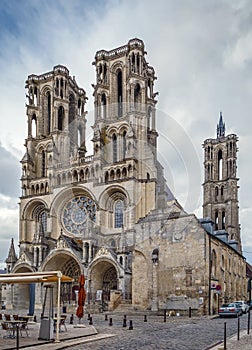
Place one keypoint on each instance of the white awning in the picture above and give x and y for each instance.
(39, 277)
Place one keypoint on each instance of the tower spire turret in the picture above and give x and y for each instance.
(220, 127)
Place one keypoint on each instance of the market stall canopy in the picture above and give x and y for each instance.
(34, 277)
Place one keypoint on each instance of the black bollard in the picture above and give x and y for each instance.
(17, 337)
(145, 318)
(164, 315)
(35, 318)
(248, 325)
(88, 317)
(90, 320)
(225, 335)
(238, 329)
(110, 322)
(130, 324)
(106, 317)
(190, 312)
(71, 319)
(124, 322)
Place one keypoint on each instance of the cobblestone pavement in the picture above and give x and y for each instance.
(177, 333)
(180, 333)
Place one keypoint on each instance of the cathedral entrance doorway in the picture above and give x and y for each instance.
(104, 279)
(69, 267)
(109, 282)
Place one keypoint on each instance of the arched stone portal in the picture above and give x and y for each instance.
(69, 266)
(103, 276)
(16, 290)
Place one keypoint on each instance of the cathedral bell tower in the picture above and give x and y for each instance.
(55, 140)
(124, 103)
(220, 198)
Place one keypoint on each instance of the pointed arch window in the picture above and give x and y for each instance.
(60, 118)
(71, 124)
(216, 220)
(34, 126)
(40, 216)
(119, 213)
(114, 143)
(149, 118)
(137, 96)
(216, 193)
(124, 144)
(43, 165)
(42, 223)
(214, 263)
(103, 106)
(220, 161)
(223, 220)
(119, 93)
(48, 95)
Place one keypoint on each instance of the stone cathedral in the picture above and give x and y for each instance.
(111, 215)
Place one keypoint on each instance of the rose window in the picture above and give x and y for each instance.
(76, 212)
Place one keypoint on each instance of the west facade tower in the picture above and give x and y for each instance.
(220, 198)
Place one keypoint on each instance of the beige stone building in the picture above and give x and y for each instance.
(111, 215)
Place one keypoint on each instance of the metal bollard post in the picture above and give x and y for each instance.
(17, 336)
(106, 317)
(124, 321)
(164, 315)
(248, 322)
(225, 335)
(145, 318)
(190, 312)
(238, 329)
(88, 317)
(71, 319)
(35, 318)
(110, 322)
(90, 320)
(130, 324)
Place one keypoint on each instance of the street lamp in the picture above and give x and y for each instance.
(155, 255)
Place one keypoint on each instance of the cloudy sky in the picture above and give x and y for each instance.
(202, 55)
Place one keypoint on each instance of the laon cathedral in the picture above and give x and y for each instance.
(111, 215)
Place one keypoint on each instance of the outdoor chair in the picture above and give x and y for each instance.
(24, 326)
(15, 317)
(1, 317)
(8, 330)
(63, 323)
(7, 317)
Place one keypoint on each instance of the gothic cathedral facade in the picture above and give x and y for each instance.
(111, 215)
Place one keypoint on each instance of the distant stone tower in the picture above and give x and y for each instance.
(220, 198)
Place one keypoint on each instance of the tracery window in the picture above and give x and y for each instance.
(119, 213)
(40, 215)
(76, 212)
(43, 223)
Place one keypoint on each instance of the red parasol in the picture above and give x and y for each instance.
(81, 297)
